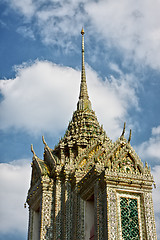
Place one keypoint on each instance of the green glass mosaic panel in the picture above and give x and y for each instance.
(129, 219)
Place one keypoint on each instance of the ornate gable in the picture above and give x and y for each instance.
(123, 158)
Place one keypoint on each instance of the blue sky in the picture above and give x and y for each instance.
(40, 64)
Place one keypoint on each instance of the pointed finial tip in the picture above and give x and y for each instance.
(130, 134)
(82, 31)
(32, 150)
(124, 128)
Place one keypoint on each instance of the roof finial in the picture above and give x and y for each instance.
(32, 150)
(44, 142)
(124, 128)
(130, 134)
(84, 101)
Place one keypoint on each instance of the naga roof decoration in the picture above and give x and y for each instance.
(85, 146)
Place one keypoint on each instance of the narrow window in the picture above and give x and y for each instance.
(129, 218)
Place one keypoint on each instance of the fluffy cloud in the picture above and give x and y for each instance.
(14, 184)
(130, 26)
(41, 98)
(27, 7)
(112, 98)
(58, 22)
(55, 21)
(151, 149)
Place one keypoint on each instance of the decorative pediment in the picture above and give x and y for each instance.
(117, 157)
(123, 158)
(128, 164)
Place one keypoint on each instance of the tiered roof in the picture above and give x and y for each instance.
(85, 147)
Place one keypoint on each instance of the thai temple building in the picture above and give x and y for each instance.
(88, 187)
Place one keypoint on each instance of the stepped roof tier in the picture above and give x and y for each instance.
(86, 146)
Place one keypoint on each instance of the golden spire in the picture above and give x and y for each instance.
(84, 101)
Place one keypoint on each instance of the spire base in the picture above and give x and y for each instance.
(84, 104)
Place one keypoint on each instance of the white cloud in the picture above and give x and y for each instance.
(40, 98)
(112, 99)
(55, 21)
(43, 96)
(156, 131)
(25, 7)
(130, 26)
(59, 21)
(151, 149)
(14, 184)
(156, 197)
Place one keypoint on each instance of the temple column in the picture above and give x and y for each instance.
(68, 206)
(105, 208)
(149, 216)
(78, 217)
(57, 221)
(111, 212)
(98, 209)
(75, 213)
(46, 228)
